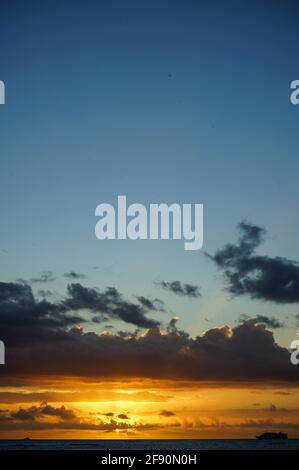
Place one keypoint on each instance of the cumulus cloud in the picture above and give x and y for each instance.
(263, 277)
(50, 339)
(176, 287)
(272, 322)
(246, 352)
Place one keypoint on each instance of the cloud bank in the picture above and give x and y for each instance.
(49, 341)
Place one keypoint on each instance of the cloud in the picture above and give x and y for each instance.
(74, 276)
(46, 276)
(92, 395)
(273, 279)
(108, 302)
(247, 352)
(176, 287)
(123, 416)
(45, 293)
(269, 321)
(44, 321)
(35, 412)
(166, 413)
(36, 321)
(154, 305)
(35, 417)
(50, 339)
(39, 418)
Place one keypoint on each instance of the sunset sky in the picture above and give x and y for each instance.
(184, 102)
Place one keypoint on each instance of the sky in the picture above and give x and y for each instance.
(185, 102)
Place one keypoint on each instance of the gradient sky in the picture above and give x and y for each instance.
(165, 101)
(161, 101)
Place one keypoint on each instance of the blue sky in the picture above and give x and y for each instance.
(161, 101)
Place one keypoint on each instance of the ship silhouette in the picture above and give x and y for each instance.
(273, 435)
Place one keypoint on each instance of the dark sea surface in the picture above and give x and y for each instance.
(196, 444)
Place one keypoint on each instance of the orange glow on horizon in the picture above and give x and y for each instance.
(145, 409)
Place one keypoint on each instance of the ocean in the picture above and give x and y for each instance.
(181, 444)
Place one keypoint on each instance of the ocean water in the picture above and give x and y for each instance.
(195, 444)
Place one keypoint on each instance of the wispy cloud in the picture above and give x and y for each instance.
(74, 275)
(176, 287)
(46, 276)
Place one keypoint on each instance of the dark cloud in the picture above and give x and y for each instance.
(123, 416)
(41, 320)
(36, 320)
(172, 328)
(247, 352)
(176, 287)
(154, 305)
(261, 277)
(9, 422)
(35, 412)
(108, 302)
(46, 276)
(32, 419)
(35, 417)
(48, 340)
(269, 321)
(166, 413)
(45, 293)
(74, 276)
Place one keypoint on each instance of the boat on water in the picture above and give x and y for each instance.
(273, 435)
